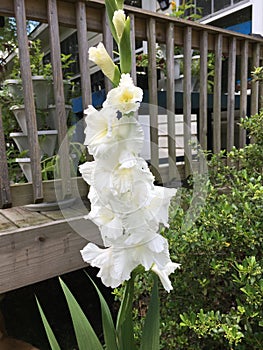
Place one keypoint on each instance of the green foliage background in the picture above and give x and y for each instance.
(217, 301)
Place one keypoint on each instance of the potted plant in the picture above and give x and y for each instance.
(41, 77)
(142, 63)
(12, 98)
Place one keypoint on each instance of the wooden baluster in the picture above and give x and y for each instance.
(83, 53)
(170, 100)
(243, 91)
(153, 97)
(5, 194)
(187, 100)
(83, 62)
(203, 91)
(202, 127)
(59, 99)
(261, 90)
(231, 94)
(217, 95)
(133, 49)
(20, 14)
(255, 84)
(108, 43)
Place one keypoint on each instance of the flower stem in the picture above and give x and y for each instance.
(124, 325)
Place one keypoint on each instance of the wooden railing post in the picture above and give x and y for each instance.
(20, 14)
(217, 95)
(59, 98)
(243, 91)
(187, 100)
(133, 49)
(83, 53)
(108, 43)
(5, 194)
(203, 90)
(170, 100)
(261, 89)
(231, 95)
(255, 84)
(153, 98)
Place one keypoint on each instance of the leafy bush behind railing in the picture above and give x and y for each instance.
(217, 301)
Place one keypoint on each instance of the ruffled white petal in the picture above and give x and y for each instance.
(163, 274)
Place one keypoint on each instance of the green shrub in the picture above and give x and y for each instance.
(217, 301)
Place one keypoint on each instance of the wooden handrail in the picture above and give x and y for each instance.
(153, 28)
(36, 10)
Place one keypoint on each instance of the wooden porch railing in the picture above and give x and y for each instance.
(153, 28)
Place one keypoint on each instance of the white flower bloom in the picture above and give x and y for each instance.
(122, 181)
(130, 172)
(126, 97)
(118, 261)
(152, 211)
(118, 21)
(106, 135)
(86, 170)
(109, 224)
(130, 134)
(98, 129)
(163, 274)
(160, 204)
(102, 258)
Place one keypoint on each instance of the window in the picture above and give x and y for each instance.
(205, 5)
(221, 4)
(209, 7)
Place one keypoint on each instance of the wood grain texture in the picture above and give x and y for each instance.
(187, 100)
(217, 95)
(231, 94)
(6, 225)
(33, 254)
(21, 217)
(5, 193)
(255, 84)
(64, 165)
(170, 98)
(153, 99)
(94, 11)
(20, 14)
(83, 53)
(108, 43)
(22, 194)
(243, 91)
(133, 49)
(203, 91)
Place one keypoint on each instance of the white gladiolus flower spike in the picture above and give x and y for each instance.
(125, 204)
(126, 97)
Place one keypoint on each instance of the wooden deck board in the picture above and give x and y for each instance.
(36, 246)
(5, 224)
(22, 217)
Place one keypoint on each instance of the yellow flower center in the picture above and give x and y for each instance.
(126, 96)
